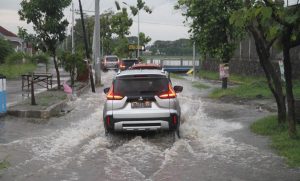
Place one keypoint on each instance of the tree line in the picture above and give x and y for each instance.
(181, 47)
(49, 24)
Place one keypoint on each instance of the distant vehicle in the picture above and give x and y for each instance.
(110, 62)
(124, 64)
(146, 66)
(141, 100)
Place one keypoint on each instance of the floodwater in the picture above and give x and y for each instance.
(215, 144)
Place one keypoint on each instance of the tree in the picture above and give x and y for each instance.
(180, 47)
(288, 19)
(30, 39)
(256, 22)
(106, 31)
(210, 27)
(140, 5)
(112, 24)
(48, 23)
(144, 40)
(5, 50)
(270, 22)
(120, 24)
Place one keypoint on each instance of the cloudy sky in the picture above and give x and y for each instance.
(164, 23)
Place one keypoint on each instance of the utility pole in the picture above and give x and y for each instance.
(87, 49)
(138, 33)
(97, 43)
(194, 60)
(72, 29)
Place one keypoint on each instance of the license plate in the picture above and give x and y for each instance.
(146, 104)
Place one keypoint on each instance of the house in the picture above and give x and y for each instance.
(16, 42)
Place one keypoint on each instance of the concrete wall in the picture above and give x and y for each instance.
(246, 62)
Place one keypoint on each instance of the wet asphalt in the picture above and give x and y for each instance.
(215, 144)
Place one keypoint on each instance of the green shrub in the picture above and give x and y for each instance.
(18, 58)
(40, 58)
(5, 50)
(71, 63)
(15, 71)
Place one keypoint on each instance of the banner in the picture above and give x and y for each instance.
(224, 70)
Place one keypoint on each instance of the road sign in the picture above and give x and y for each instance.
(135, 47)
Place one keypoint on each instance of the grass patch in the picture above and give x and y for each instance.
(15, 71)
(49, 98)
(175, 76)
(250, 87)
(244, 91)
(43, 100)
(200, 86)
(4, 164)
(281, 142)
(209, 75)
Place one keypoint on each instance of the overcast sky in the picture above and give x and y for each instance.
(164, 23)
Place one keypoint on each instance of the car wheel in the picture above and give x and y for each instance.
(107, 132)
(177, 133)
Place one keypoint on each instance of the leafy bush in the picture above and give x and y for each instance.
(40, 58)
(18, 58)
(71, 63)
(15, 58)
(5, 50)
(15, 71)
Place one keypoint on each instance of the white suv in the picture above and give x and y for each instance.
(142, 100)
(110, 62)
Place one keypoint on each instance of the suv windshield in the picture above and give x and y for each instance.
(141, 85)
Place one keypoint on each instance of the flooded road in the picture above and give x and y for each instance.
(216, 144)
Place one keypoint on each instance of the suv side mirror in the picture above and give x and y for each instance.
(178, 88)
(106, 90)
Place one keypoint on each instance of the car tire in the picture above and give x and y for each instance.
(177, 133)
(177, 130)
(107, 131)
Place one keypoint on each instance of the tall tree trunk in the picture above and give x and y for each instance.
(289, 90)
(275, 86)
(56, 69)
(273, 78)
